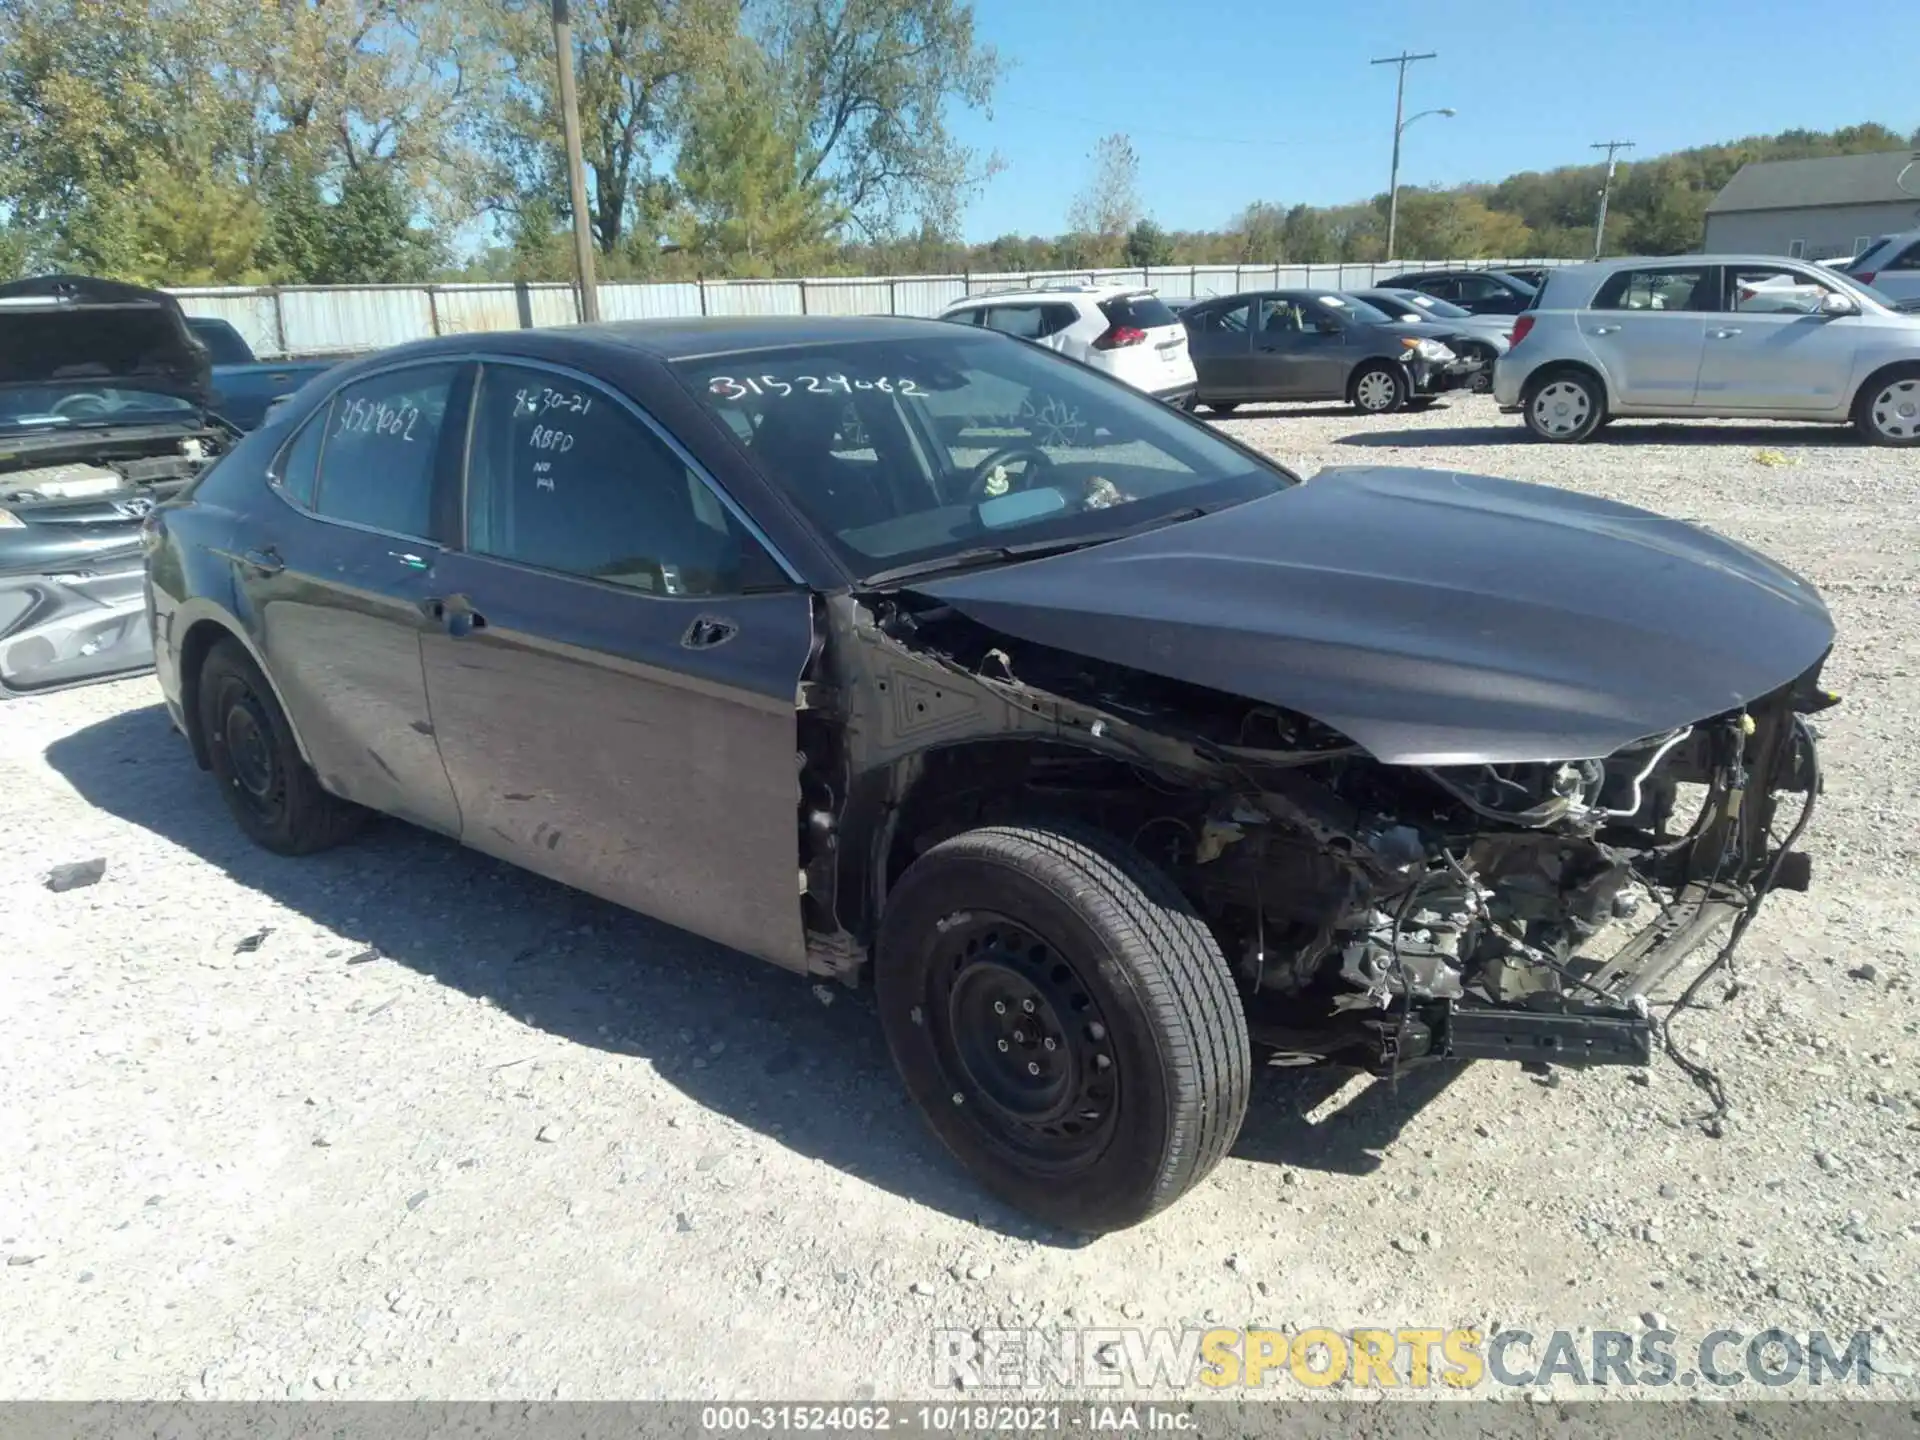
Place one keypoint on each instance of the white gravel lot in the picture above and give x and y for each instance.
(400, 1121)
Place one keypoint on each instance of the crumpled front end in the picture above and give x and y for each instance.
(1520, 912)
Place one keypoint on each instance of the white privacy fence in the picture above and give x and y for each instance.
(349, 319)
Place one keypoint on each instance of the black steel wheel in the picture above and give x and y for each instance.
(1064, 1019)
(272, 793)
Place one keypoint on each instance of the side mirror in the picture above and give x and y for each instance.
(1833, 304)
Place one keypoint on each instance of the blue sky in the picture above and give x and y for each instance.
(1238, 100)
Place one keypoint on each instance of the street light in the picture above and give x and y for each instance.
(576, 169)
(1393, 185)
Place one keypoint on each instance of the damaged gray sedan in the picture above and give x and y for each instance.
(1117, 757)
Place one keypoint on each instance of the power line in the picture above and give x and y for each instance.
(1612, 147)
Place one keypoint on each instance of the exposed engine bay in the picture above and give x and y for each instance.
(1375, 914)
(157, 475)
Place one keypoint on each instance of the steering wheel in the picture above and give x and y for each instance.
(978, 477)
(76, 406)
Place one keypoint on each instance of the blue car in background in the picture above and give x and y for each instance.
(244, 387)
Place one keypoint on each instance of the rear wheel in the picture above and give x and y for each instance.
(273, 793)
(1380, 389)
(1065, 1020)
(1223, 407)
(1564, 407)
(1888, 410)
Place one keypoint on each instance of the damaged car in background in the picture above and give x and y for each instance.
(1116, 756)
(103, 412)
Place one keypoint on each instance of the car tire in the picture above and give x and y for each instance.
(275, 797)
(1065, 1020)
(1564, 407)
(1378, 389)
(1223, 407)
(1888, 409)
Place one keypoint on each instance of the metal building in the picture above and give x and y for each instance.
(1815, 209)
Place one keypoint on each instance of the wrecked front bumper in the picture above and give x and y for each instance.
(1714, 880)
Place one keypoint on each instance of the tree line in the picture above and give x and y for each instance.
(343, 141)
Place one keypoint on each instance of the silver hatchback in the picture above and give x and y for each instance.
(1711, 336)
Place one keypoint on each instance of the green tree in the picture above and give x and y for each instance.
(868, 85)
(1148, 244)
(1109, 207)
(745, 208)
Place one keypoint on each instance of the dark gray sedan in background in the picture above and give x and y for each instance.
(1317, 345)
(1113, 753)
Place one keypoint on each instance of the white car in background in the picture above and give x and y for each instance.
(1891, 265)
(1126, 331)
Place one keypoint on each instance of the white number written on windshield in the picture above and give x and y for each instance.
(729, 388)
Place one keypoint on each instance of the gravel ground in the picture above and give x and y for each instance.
(399, 1121)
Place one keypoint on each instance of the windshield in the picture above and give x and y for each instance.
(1355, 308)
(1433, 305)
(904, 452)
(80, 403)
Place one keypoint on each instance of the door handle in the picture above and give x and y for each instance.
(265, 560)
(708, 631)
(454, 614)
(1724, 334)
(1605, 329)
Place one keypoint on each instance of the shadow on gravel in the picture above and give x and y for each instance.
(1279, 1129)
(1296, 410)
(750, 1041)
(1625, 433)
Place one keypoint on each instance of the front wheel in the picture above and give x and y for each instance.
(1888, 411)
(1065, 1020)
(1380, 390)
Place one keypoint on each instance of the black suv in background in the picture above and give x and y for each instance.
(1484, 292)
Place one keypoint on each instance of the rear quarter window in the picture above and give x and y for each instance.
(1142, 312)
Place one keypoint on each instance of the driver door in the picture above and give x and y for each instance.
(612, 661)
(1771, 349)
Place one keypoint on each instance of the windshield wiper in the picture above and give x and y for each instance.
(1030, 550)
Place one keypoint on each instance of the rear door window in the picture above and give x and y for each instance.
(1689, 288)
(1226, 319)
(1908, 260)
(1140, 312)
(382, 444)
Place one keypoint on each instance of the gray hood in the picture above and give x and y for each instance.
(74, 329)
(1433, 618)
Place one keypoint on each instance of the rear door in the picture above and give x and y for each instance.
(1646, 328)
(615, 664)
(333, 582)
(1041, 321)
(1220, 340)
(1770, 349)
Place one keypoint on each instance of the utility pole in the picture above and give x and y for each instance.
(1612, 147)
(1399, 109)
(576, 167)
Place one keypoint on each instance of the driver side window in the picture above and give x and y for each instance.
(563, 477)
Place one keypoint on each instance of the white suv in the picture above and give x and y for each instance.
(1129, 333)
(1891, 265)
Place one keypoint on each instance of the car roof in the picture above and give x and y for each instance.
(1048, 292)
(680, 339)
